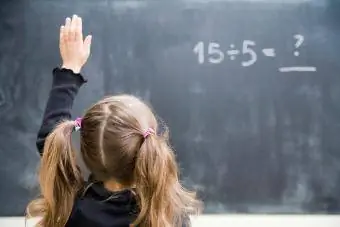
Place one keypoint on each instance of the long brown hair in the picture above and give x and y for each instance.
(113, 147)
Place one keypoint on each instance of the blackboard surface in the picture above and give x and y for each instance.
(250, 89)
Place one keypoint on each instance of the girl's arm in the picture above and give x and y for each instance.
(67, 80)
(65, 87)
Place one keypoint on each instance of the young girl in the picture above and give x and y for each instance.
(134, 180)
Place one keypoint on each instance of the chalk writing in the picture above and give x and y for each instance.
(269, 52)
(247, 50)
(297, 69)
(232, 53)
(299, 41)
(213, 53)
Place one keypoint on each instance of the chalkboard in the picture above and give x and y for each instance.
(250, 91)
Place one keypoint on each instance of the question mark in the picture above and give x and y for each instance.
(299, 41)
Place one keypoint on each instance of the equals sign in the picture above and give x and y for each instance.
(269, 52)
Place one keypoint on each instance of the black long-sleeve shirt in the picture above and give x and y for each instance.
(65, 87)
(95, 207)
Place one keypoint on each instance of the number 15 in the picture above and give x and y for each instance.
(216, 56)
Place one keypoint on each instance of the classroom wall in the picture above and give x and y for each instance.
(236, 221)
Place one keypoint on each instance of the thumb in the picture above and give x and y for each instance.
(87, 44)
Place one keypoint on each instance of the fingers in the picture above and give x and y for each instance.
(79, 29)
(62, 39)
(62, 35)
(87, 44)
(67, 29)
(73, 28)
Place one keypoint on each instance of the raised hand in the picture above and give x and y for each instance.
(74, 50)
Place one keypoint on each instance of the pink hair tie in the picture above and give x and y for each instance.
(148, 132)
(77, 124)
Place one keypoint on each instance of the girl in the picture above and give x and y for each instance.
(134, 180)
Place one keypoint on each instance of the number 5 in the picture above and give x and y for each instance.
(248, 50)
(216, 55)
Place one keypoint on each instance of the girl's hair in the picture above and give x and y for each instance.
(113, 147)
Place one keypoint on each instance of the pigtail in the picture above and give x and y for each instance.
(59, 177)
(163, 202)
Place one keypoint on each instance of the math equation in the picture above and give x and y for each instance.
(213, 53)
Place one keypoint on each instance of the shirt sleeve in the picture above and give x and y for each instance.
(65, 87)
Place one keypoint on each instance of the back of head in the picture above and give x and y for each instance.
(114, 147)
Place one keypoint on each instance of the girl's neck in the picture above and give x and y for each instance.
(114, 186)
